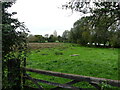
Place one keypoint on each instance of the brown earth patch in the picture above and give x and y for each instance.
(43, 45)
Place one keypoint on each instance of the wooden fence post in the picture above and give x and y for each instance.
(14, 74)
(24, 72)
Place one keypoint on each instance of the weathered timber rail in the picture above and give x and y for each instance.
(76, 78)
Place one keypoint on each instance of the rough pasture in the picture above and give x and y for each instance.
(87, 61)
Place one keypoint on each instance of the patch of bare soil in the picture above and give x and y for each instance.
(43, 45)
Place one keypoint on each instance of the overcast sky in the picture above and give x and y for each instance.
(43, 16)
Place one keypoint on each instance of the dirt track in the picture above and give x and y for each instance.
(43, 45)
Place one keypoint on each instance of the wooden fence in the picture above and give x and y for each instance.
(75, 79)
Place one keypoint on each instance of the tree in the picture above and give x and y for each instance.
(114, 33)
(40, 38)
(102, 17)
(55, 33)
(52, 38)
(13, 41)
(32, 38)
(60, 39)
(97, 9)
(46, 35)
(80, 32)
(36, 38)
(65, 35)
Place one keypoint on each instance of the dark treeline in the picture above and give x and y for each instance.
(83, 33)
(43, 39)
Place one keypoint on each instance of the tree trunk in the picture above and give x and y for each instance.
(14, 74)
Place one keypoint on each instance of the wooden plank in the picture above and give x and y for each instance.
(77, 77)
(69, 83)
(34, 81)
(54, 84)
(72, 82)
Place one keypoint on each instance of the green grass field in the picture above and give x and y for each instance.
(96, 62)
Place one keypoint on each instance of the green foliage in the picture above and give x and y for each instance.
(80, 33)
(52, 38)
(60, 39)
(14, 35)
(95, 62)
(36, 38)
(97, 28)
(87, 31)
(32, 38)
(65, 36)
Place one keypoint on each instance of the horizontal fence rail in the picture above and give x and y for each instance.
(76, 78)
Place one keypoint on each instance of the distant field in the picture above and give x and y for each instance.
(59, 57)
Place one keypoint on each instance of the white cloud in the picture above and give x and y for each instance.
(44, 16)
